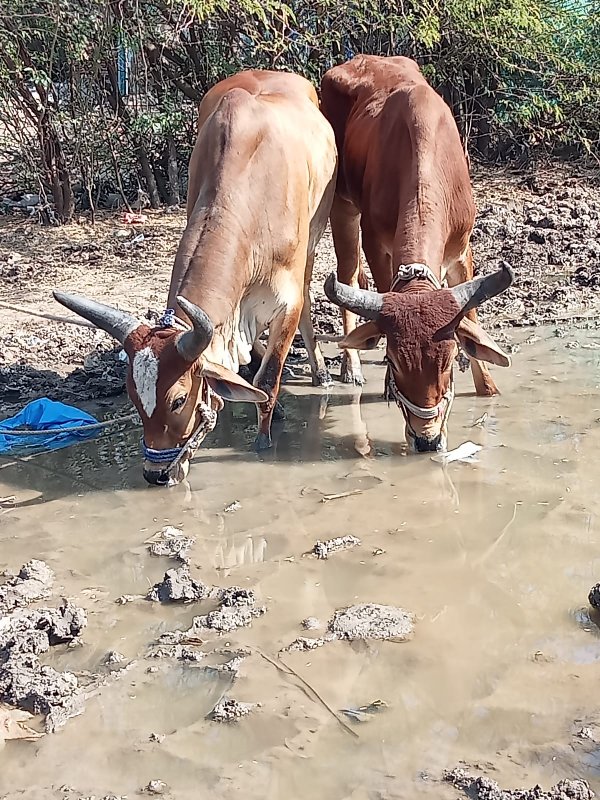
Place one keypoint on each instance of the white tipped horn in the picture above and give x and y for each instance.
(192, 344)
(117, 323)
(360, 301)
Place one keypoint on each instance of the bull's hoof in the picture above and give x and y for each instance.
(262, 442)
(352, 377)
(278, 412)
(351, 371)
(487, 390)
(322, 379)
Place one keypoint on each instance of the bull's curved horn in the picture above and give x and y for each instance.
(192, 344)
(360, 301)
(112, 320)
(473, 293)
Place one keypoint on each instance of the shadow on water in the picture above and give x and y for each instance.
(112, 461)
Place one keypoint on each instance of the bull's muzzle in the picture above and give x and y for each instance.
(156, 477)
(424, 444)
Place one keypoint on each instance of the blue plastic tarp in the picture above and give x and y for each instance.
(46, 415)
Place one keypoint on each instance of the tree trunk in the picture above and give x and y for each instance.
(148, 176)
(55, 170)
(172, 172)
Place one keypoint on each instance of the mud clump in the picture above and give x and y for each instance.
(482, 788)
(26, 633)
(303, 644)
(238, 609)
(236, 597)
(35, 631)
(229, 618)
(594, 596)
(372, 621)
(172, 543)
(326, 548)
(34, 582)
(230, 710)
(25, 683)
(178, 586)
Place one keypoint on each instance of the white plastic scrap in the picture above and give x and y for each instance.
(466, 452)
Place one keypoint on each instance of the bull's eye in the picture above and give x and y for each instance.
(178, 403)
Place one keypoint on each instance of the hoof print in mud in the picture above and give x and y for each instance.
(373, 621)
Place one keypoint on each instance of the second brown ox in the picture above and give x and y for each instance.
(403, 184)
(262, 177)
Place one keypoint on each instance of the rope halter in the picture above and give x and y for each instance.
(208, 415)
(172, 456)
(416, 271)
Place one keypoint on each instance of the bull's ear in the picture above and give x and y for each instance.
(365, 337)
(230, 386)
(476, 342)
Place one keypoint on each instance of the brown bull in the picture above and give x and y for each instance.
(403, 187)
(262, 178)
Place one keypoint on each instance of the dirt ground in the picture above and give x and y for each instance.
(545, 225)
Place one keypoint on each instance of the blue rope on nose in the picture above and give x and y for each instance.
(160, 456)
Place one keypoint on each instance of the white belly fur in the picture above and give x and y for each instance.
(232, 342)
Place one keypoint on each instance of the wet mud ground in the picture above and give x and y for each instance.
(494, 559)
(494, 671)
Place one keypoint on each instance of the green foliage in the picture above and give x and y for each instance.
(522, 76)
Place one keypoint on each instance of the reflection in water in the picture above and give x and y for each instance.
(495, 558)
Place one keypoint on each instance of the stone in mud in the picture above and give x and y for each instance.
(156, 787)
(594, 596)
(230, 710)
(34, 582)
(113, 657)
(482, 788)
(324, 549)
(178, 586)
(311, 624)
(372, 621)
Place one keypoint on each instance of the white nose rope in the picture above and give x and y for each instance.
(411, 272)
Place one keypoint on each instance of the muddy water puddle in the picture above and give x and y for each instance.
(495, 558)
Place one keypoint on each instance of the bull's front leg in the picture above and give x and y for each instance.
(345, 229)
(318, 368)
(268, 378)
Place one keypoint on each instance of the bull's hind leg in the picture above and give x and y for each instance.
(268, 378)
(345, 227)
(459, 272)
(320, 374)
